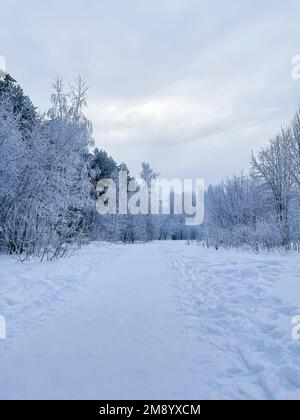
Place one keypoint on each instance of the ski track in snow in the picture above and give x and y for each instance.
(151, 321)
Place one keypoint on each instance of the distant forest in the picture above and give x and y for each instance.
(49, 170)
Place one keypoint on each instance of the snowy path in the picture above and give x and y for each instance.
(120, 337)
(153, 321)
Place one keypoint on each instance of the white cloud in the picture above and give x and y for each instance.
(190, 86)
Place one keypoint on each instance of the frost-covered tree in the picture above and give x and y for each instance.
(274, 169)
(13, 163)
(44, 183)
(233, 210)
(20, 103)
(146, 223)
(261, 211)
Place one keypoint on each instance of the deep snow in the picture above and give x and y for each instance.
(151, 321)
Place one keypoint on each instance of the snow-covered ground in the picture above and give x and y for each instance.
(151, 321)
(240, 306)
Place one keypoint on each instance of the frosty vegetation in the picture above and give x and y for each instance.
(49, 172)
(261, 210)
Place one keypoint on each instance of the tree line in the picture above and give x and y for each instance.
(260, 210)
(49, 170)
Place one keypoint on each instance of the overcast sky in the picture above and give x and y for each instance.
(191, 86)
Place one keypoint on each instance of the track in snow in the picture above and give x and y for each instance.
(151, 321)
